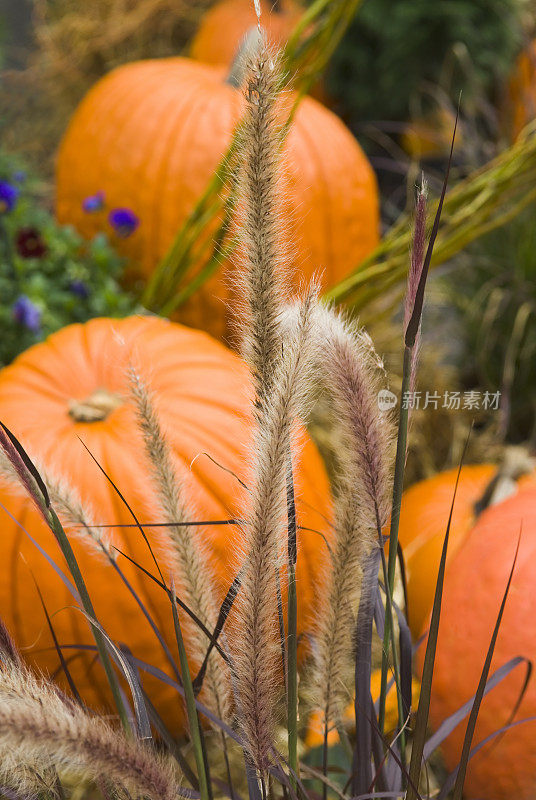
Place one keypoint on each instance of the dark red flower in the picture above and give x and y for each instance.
(30, 244)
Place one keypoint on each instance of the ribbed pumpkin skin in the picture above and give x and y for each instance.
(473, 591)
(423, 524)
(150, 135)
(201, 395)
(225, 24)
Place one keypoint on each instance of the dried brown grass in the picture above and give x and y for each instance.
(76, 44)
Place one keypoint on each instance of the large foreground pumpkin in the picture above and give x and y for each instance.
(150, 135)
(201, 395)
(226, 23)
(473, 591)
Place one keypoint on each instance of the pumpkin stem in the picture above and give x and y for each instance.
(516, 462)
(248, 46)
(95, 408)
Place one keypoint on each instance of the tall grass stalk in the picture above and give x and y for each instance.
(191, 709)
(417, 277)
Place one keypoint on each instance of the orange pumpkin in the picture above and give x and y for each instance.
(473, 591)
(430, 137)
(201, 393)
(519, 106)
(224, 26)
(423, 524)
(314, 736)
(150, 135)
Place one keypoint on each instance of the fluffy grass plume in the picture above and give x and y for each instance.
(260, 232)
(40, 730)
(190, 556)
(72, 510)
(352, 373)
(256, 643)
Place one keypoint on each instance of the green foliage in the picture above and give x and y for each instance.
(49, 275)
(494, 290)
(393, 48)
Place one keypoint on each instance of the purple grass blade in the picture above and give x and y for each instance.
(254, 789)
(471, 725)
(403, 578)
(423, 709)
(127, 506)
(452, 722)
(25, 468)
(181, 605)
(65, 580)
(413, 325)
(145, 612)
(379, 613)
(142, 717)
(449, 782)
(225, 610)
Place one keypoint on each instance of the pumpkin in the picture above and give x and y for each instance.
(430, 137)
(150, 135)
(519, 102)
(72, 387)
(314, 736)
(224, 26)
(423, 523)
(473, 590)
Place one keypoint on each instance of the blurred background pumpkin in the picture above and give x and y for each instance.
(226, 23)
(124, 142)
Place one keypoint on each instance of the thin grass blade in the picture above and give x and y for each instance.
(196, 734)
(449, 724)
(421, 720)
(471, 725)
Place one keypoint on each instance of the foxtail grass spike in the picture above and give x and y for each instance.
(190, 557)
(256, 642)
(260, 233)
(40, 728)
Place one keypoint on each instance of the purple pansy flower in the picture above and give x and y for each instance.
(95, 202)
(26, 313)
(8, 197)
(79, 288)
(123, 221)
